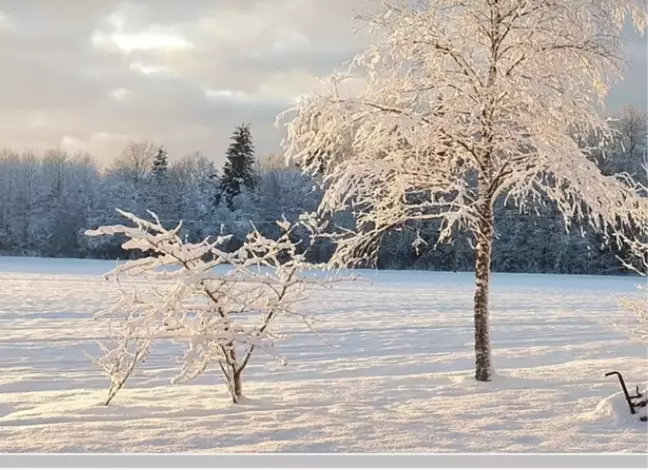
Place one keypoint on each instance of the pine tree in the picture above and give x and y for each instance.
(158, 190)
(160, 164)
(238, 170)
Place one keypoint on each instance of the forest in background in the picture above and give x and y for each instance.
(47, 201)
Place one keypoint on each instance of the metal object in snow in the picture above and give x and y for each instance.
(634, 406)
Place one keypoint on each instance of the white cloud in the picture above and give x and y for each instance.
(180, 74)
(148, 69)
(70, 143)
(128, 40)
(284, 85)
(290, 40)
(39, 120)
(6, 24)
(107, 143)
(120, 94)
(235, 95)
(128, 43)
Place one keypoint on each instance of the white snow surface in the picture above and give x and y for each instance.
(399, 378)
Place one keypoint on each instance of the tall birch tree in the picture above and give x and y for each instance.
(460, 102)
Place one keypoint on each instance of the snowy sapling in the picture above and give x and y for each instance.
(222, 305)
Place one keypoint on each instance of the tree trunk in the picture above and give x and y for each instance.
(237, 387)
(483, 367)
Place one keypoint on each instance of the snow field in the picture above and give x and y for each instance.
(398, 379)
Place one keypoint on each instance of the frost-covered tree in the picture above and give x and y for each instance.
(280, 193)
(44, 202)
(222, 305)
(628, 148)
(459, 103)
(238, 171)
(636, 325)
(135, 161)
(193, 186)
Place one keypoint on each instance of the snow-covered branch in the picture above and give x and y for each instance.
(221, 304)
(450, 97)
(464, 102)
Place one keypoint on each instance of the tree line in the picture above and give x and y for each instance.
(47, 202)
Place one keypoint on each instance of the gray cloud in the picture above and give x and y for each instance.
(66, 81)
(86, 75)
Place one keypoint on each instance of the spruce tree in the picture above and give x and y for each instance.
(157, 197)
(160, 164)
(238, 170)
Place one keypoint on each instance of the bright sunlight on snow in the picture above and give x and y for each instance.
(397, 375)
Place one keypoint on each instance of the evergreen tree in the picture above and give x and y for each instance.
(160, 164)
(47, 201)
(238, 170)
(158, 195)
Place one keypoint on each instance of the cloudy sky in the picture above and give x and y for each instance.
(93, 74)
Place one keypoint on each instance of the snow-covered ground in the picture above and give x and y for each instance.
(398, 380)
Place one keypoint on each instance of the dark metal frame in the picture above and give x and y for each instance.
(637, 396)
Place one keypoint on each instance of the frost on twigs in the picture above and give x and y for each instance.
(459, 104)
(636, 324)
(222, 305)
